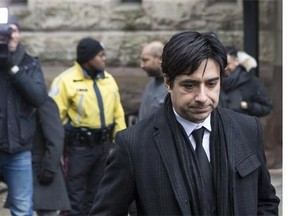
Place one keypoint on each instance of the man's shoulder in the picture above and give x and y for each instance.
(148, 86)
(107, 74)
(29, 61)
(141, 127)
(68, 74)
(136, 137)
(151, 81)
(237, 118)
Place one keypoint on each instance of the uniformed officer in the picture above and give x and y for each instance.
(89, 104)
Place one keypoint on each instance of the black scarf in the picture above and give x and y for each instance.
(222, 174)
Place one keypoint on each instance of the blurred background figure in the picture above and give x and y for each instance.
(50, 194)
(90, 107)
(247, 61)
(155, 90)
(241, 90)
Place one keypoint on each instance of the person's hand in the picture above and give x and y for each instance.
(45, 177)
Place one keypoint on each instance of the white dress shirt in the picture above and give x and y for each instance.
(189, 127)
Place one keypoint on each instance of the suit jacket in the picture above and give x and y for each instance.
(144, 166)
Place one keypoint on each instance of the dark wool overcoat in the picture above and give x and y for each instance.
(47, 152)
(145, 167)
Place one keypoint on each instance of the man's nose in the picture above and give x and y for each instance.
(201, 94)
(103, 58)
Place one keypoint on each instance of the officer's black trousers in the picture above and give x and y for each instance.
(86, 164)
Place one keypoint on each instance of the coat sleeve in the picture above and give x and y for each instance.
(29, 81)
(53, 133)
(268, 202)
(116, 190)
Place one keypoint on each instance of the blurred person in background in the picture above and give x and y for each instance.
(241, 90)
(22, 91)
(50, 193)
(90, 108)
(155, 90)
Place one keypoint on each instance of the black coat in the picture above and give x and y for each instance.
(20, 95)
(47, 152)
(145, 167)
(244, 86)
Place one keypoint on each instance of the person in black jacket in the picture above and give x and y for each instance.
(22, 91)
(241, 90)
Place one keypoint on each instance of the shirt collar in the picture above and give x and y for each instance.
(100, 75)
(191, 126)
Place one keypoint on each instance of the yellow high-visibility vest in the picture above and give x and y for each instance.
(86, 102)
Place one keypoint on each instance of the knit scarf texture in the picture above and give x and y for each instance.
(222, 174)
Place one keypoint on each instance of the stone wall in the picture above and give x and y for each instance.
(51, 29)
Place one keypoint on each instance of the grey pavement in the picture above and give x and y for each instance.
(276, 178)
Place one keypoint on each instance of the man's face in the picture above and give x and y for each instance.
(98, 63)
(150, 64)
(232, 63)
(15, 38)
(196, 95)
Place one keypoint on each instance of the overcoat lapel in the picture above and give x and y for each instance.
(231, 141)
(229, 136)
(167, 150)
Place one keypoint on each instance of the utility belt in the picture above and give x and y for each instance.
(87, 136)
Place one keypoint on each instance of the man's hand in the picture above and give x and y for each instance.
(45, 177)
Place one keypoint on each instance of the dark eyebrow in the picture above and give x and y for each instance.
(213, 79)
(196, 81)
